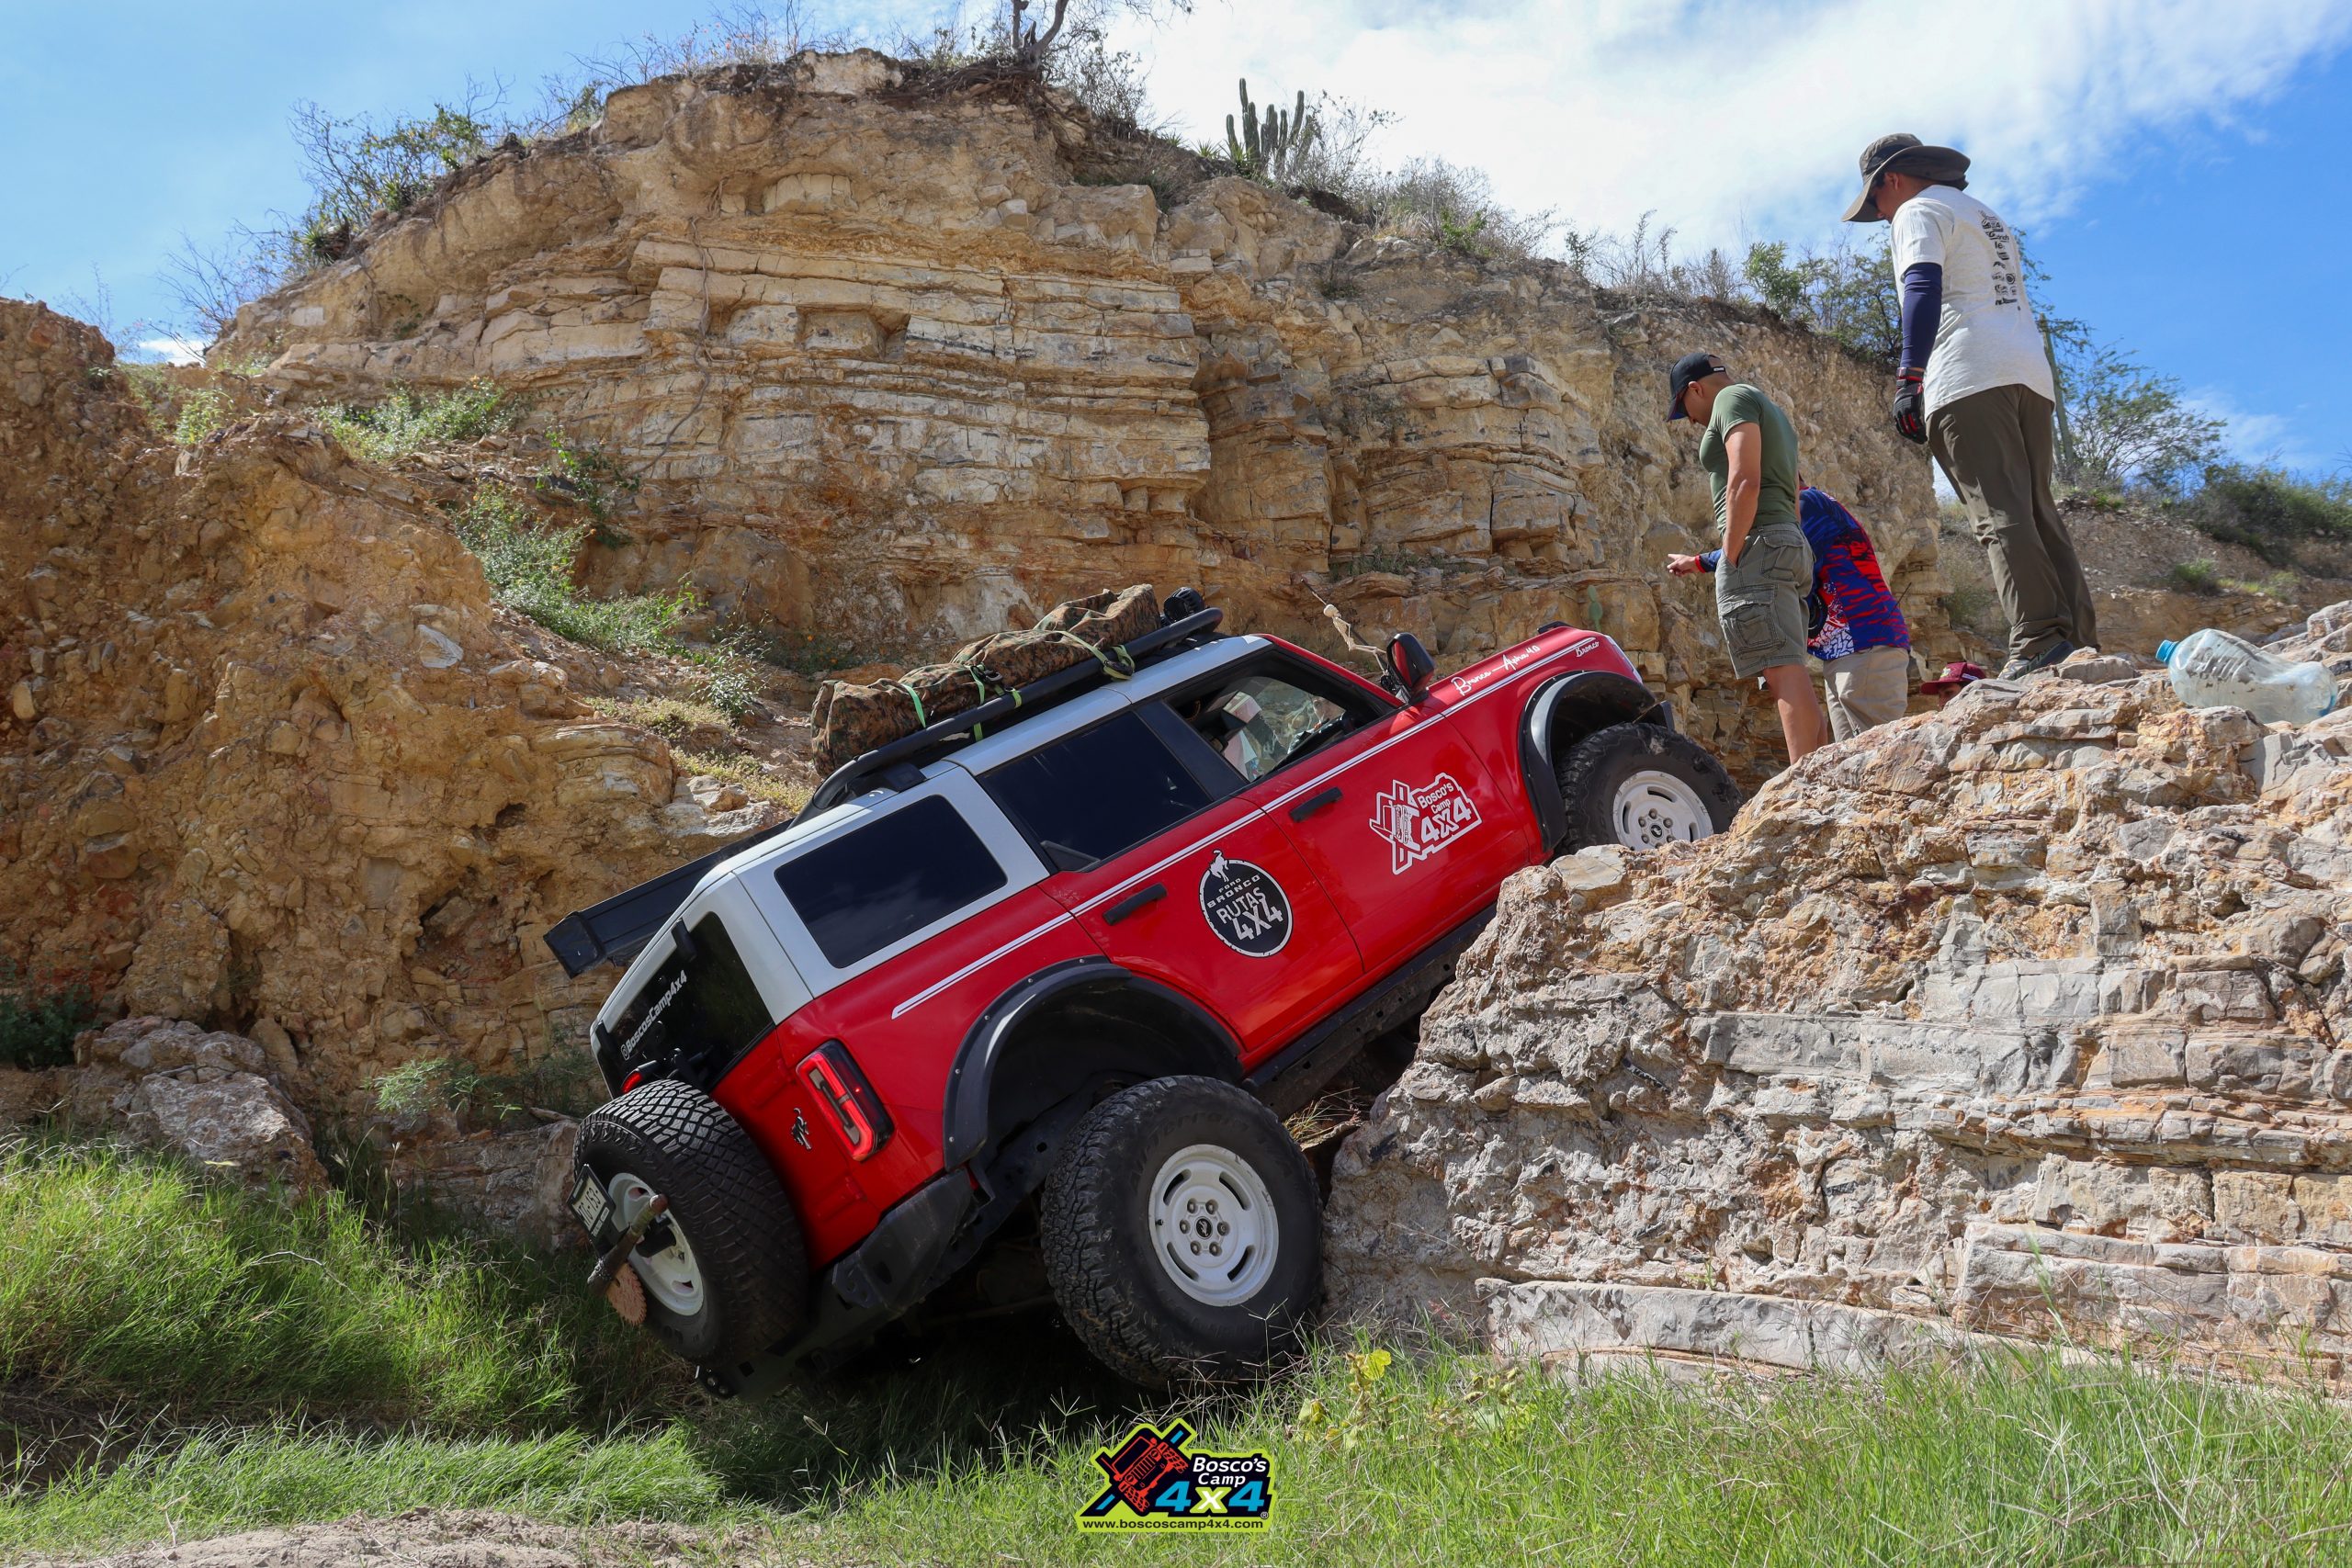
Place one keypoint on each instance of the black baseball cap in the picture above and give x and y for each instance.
(1689, 368)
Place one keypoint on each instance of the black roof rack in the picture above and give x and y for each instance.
(612, 932)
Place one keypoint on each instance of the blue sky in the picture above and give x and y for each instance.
(2176, 162)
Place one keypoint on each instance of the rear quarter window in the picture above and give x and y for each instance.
(882, 882)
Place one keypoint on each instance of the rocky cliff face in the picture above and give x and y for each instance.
(270, 760)
(904, 359)
(2031, 1015)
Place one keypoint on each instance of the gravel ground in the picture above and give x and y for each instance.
(426, 1539)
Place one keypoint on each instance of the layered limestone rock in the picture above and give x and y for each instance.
(903, 358)
(2028, 1017)
(271, 761)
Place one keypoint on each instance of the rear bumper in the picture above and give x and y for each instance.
(884, 1275)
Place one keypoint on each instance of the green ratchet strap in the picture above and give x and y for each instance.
(1124, 665)
(914, 697)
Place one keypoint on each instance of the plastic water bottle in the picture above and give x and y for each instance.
(2211, 669)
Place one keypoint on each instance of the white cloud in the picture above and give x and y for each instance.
(2268, 439)
(1731, 119)
(172, 350)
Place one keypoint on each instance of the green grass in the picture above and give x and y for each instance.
(197, 1308)
(529, 569)
(191, 1299)
(217, 1482)
(737, 769)
(670, 717)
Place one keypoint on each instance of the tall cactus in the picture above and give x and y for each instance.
(1270, 149)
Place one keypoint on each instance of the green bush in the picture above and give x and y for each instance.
(358, 168)
(730, 691)
(589, 477)
(564, 1080)
(38, 1023)
(1848, 293)
(407, 419)
(803, 650)
(202, 412)
(2194, 577)
(2273, 513)
(529, 568)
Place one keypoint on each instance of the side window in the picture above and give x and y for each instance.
(1260, 722)
(1100, 792)
(888, 879)
(699, 1000)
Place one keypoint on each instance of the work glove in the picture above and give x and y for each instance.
(1910, 407)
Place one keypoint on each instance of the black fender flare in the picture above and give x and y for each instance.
(964, 1129)
(1604, 696)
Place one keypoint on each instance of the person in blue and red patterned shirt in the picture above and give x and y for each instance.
(1861, 636)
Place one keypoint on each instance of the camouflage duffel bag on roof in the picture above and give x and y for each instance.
(848, 721)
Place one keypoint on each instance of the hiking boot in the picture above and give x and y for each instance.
(2018, 669)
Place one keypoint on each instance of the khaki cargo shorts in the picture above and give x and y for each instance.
(1762, 599)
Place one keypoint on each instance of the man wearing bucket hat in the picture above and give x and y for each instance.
(1750, 450)
(1974, 384)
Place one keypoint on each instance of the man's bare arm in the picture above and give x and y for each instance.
(1744, 446)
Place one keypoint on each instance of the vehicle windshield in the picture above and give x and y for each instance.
(698, 1001)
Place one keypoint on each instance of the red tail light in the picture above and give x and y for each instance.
(857, 1111)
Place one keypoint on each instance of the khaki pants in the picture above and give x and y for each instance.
(1867, 689)
(1995, 447)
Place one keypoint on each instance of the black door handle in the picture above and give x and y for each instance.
(1133, 901)
(1315, 803)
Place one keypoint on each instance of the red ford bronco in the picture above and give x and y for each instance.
(1048, 973)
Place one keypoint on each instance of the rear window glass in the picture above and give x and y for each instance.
(702, 1004)
(1102, 791)
(866, 889)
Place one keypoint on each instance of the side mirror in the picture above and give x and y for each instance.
(1411, 666)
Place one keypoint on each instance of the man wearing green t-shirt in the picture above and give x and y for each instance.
(1749, 451)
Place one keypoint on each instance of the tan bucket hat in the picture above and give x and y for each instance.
(1905, 154)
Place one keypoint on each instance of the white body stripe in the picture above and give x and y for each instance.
(975, 967)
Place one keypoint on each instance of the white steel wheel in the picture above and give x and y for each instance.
(1213, 1224)
(671, 1276)
(1653, 807)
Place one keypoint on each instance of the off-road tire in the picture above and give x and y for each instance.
(1598, 767)
(725, 1197)
(1094, 1220)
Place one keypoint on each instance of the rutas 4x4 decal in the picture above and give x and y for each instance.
(1419, 822)
(1245, 907)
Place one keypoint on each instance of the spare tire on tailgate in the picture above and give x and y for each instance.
(726, 1274)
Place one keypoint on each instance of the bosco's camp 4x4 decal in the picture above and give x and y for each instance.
(1419, 822)
(1245, 907)
(1155, 1484)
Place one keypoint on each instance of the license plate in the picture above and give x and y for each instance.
(592, 1207)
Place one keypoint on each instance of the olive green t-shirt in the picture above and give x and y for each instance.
(1737, 404)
